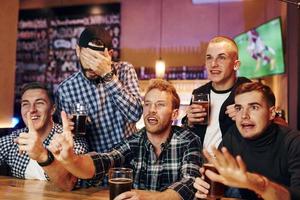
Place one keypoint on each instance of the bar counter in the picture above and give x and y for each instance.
(18, 189)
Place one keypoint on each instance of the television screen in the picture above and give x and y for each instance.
(261, 50)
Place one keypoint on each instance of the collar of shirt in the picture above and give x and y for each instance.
(164, 145)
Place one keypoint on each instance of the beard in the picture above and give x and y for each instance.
(158, 128)
(86, 71)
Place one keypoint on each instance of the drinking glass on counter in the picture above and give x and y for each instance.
(120, 180)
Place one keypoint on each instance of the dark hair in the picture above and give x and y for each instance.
(259, 87)
(38, 85)
(164, 85)
(97, 34)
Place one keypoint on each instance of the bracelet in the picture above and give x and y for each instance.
(50, 159)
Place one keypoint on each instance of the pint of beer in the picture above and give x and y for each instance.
(203, 100)
(216, 190)
(120, 180)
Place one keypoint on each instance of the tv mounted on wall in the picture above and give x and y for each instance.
(261, 50)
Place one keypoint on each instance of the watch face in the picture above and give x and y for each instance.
(108, 77)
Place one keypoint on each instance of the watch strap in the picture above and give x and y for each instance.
(50, 159)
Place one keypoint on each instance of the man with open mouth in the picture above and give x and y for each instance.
(221, 63)
(165, 158)
(265, 155)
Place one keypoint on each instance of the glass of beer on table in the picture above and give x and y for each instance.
(120, 180)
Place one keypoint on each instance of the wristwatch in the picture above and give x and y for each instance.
(50, 159)
(108, 76)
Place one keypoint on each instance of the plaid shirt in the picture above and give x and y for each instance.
(9, 151)
(113, 107)
(175, 168)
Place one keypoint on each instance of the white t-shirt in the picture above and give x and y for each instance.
(213, 134)
(34, 171)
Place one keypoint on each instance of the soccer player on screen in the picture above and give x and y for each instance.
(259, 51)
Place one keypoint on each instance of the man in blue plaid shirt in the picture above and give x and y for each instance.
(109, 89)
(25, 150)
(164, 158)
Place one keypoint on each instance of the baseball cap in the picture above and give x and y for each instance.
(96, 38)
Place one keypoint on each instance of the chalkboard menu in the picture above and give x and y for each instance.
(47, 39)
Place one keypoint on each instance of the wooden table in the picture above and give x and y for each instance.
(18, 189)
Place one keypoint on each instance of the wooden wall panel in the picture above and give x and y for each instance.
(8, 30)
(186, 29)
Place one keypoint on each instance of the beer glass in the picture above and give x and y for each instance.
(120, 180)
(216, 190)
(79, 118)
(203, 100)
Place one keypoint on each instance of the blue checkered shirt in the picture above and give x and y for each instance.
(113, 107)
(9, 151)
(175, 168)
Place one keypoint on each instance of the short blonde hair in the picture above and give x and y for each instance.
(230, 41)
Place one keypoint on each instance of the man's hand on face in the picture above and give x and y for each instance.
(31, 143)
(98, 62)
(62, 144)
(195, 114)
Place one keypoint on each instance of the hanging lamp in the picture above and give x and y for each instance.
(160, 65)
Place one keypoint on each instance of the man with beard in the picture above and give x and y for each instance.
(164, 158)
(109, 90)
(25, 150)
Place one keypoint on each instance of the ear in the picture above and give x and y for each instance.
(175, 114)
(272, 113)
(77, 49)
(237, 64)
(53, 109)
(110, 52)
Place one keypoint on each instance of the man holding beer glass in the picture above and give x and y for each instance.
(211, 122)
(270, 151)
(164, 158)
(108, 90)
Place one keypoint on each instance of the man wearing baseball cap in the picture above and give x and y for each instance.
(109, 90)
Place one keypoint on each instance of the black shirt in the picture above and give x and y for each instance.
(275, 154)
